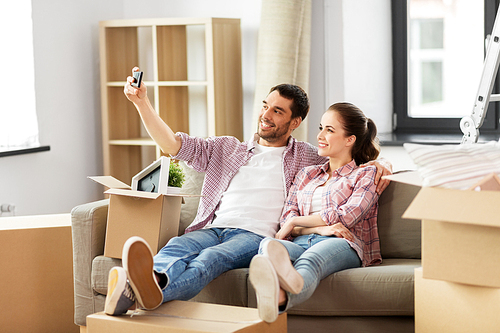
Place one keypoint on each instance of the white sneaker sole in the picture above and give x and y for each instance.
(137, 260)
(266, 285)
(290, 280)
(117, 280)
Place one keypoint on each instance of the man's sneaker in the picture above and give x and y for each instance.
(137, 260)
(265, 282)
(120, 296)
(290, 280)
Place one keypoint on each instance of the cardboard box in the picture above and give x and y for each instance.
(442, 306)
(36, 261)
(460, 234)
(152, 216)
(488, 183)
(182, 316)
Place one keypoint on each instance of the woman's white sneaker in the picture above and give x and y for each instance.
(290, 280)
(266, 285)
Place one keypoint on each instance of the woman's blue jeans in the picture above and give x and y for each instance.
(194, 259)
(315, 257)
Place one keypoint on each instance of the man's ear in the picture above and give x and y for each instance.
(296, 122)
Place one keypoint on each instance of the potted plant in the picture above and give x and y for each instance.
(176, 177)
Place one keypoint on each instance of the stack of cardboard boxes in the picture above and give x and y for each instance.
(457, 289)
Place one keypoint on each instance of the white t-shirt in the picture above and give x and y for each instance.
(316, 200)
(255, 196)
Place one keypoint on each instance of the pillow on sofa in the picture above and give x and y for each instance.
(455, 166)
(192, 185)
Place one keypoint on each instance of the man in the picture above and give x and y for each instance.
(245, 187)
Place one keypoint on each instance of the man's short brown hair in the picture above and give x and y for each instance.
(300, 101)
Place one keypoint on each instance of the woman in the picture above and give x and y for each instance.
(330, 212)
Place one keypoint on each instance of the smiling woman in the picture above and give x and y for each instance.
(18, 120)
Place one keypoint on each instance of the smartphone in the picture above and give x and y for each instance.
(137, 79)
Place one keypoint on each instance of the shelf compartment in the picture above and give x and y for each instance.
(122, 52)
(125, 161)
(171, 49)
(123, 120)
(173, 107)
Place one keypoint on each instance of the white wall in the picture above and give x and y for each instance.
(359, 57)
(67, 83)
(67, 99)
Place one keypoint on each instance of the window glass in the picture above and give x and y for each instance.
(445, 57)
(18, 120)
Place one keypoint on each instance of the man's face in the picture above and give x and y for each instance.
(275, 120)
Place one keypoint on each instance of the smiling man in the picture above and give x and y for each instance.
(245, 187)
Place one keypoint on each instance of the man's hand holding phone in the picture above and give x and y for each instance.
(135, 89)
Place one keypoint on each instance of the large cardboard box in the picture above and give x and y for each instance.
(152, 216)
(36, 280)
(442, 306)
(181, 316)
(460, 233)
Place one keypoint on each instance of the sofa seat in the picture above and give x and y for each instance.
(382, 290)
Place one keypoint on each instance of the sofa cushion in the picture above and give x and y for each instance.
(101, 266)
(230, 288)
(192, 185)
(399, 238)
(382, 290)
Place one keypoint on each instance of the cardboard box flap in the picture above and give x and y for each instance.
(135, 194)
(409, 177)
(469, 207)
(490, 182)
(110, 182)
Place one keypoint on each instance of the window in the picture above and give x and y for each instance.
(426, 66)
(18, 120)
(438, 53)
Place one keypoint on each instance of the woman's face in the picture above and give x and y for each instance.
(332, 139)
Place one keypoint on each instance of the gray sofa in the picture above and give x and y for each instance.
(371, 299)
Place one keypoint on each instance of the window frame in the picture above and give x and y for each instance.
(402, 123)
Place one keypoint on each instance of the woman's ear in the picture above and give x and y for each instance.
(350, 141)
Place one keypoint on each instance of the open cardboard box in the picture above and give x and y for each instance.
(152, 212)
(152, 216)
(182, 316)
(460, 232)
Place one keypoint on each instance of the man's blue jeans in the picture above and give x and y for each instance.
(194, 259)
(315, 257)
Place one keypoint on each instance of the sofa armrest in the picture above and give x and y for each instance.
(88, 232)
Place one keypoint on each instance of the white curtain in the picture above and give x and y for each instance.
(18, 120)
(283, 51)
